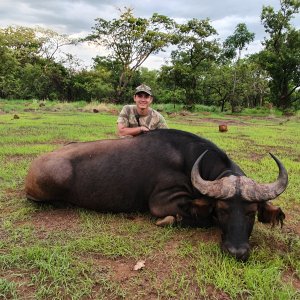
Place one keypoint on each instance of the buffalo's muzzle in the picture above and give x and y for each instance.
(240, 252)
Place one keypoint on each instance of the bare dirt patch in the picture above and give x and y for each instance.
(212, 293)
(55, 220)
(222, 121)
(121, 268)
(293, 221)
(15, 158)
(289, 276)
(196, 120)
(22, 281)
(154, 279)
(14, 193)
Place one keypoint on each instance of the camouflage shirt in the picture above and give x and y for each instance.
(129, 117)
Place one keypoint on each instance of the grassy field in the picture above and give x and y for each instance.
(51, 252)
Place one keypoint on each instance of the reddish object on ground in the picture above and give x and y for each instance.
(223, 128)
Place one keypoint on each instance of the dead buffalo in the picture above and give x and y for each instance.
(177, 176)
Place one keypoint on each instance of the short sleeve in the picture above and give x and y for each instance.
(123, 117)
(162, 122)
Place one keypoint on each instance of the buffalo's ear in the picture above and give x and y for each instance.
(268, 213)
(201, 207)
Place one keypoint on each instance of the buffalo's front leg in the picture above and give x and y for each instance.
(269, 213)
(183, 211)
(166, 221)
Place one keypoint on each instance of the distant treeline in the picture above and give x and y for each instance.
(201, 70)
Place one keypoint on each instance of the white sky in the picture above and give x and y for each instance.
(76, 17)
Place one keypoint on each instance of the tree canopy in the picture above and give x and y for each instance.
(200, 70)
(130, 40)
(281, 56)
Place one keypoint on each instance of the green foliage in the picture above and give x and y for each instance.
(281, 56)
(234, 45)
(93, 85)
(28, 68)
(55, 264)
(131, 40)
(8, 289)
(253, 280)
(200, 70)
(196, 52)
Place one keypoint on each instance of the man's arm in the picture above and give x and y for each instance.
(122, 130)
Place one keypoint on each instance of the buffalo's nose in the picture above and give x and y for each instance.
(240, 252)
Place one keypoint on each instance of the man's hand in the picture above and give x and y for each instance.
(144, 129)
(133, 131)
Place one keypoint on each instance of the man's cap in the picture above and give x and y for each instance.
(143, 88)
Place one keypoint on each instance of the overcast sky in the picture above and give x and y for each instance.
(75, 17)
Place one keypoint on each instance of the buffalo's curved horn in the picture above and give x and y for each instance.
(252, 191)
(223, 188)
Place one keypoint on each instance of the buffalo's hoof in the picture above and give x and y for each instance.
(168, 220)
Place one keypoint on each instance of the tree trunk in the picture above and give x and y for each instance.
(123, 83)
(223, 105)
(285, 96)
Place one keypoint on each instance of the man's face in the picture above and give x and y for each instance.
(142, 100)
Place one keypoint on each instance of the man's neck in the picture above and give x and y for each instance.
(143, 111)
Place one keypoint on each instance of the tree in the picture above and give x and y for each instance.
(114, 68)
(196, 51)
(52, 42)
(233, 46)
(169, 86)
(28, 67)
(256, 81)
(22, 43)
(18, 47)
(218, 84)
(130, 40)
(150, 77)
(281, 56)
(8, 68)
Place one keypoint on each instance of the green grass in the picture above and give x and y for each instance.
(52, 270)
(259, 278)
(8, 289)
(49, 252)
